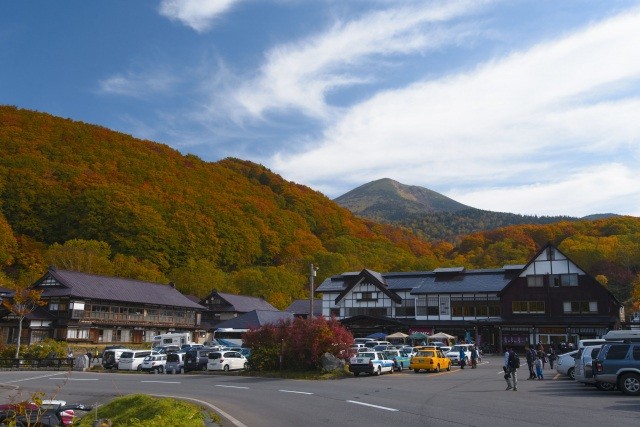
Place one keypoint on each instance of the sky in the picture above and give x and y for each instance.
(523, 106)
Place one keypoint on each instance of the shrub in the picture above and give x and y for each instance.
(301, 342)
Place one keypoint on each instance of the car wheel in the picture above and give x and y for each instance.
(160, 369)
(605, 386)
(226, 368)
(437, 370)
(246, 365)
(379, 371)
(139, 368)
(416, 370)
(630, 384)
(399, 367)
(355, 374)
(449, 367)
(572, 373)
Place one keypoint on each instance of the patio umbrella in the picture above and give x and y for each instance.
(417, 336)
(397, 335)
(442, 335)
(377, 335)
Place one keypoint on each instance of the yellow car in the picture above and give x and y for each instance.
(429, 359)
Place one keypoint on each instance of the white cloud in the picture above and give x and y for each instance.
(137, 84)
(197, 14)
(300, 75)
(525, 118)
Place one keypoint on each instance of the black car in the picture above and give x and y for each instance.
(196, 359)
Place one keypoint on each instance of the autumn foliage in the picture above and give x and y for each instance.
(301, 342)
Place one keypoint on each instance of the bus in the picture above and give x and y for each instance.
(229, 336)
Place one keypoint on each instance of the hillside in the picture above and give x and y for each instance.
(62, 180)
(90, 199)
(427, 213)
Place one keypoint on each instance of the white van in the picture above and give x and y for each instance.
(591, 341)
(111, 357)
(621, 335)
(132, 359)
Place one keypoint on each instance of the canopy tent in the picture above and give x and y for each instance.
(377, 336)
(440, 336)
(417, 336)
(397, 335)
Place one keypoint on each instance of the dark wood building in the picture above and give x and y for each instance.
(549, 300)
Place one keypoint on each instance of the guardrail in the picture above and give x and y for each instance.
(49, 364)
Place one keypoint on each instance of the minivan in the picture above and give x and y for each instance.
(130, 360)
(175, 363)
(110, 358)
(196, 360)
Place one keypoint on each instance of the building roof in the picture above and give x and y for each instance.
(301, 307)
(65, 283)
(255, 319)
(239, 303)
(430, 282)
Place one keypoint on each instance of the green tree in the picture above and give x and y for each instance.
(88, 256)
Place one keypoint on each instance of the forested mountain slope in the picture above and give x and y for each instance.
(90, 199)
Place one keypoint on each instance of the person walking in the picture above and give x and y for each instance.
(463, 357)
(512, 363)
(474, 357)
(538, 365)
(529, 354)
(552, 357)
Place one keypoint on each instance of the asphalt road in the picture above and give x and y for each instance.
(469, 397)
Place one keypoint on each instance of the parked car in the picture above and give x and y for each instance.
(131, 360)
(372, 344)
(454, 353)
(619, 364)
(226, 361)
(154, 363)
(400, 359)
(566, 362)
(583, 369)
(196, 360)
(111, 357)
(50, 413)
(175, 363)
(430, 359)
(370, 362)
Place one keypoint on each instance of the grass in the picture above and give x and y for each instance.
(138, 410)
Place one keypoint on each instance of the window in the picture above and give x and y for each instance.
(334, 312)
(580, 307)
(535, 281)
(564, 279)
(527, 307)
(367, 311)
(617, 352)
(406, 308)
(367, 296)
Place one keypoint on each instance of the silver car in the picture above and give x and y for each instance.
(566, 364)
(584, 371)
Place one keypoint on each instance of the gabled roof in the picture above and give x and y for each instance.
(301, 306)
(375, 278)
(255, 319)
(239, 303)
(430, 282)
(90, 286)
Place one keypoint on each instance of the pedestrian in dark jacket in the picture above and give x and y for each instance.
(552, 357)
(530, 355)
(511, 367)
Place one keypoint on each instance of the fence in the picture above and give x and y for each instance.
(46, 364)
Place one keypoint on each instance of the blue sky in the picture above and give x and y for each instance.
(529, 107)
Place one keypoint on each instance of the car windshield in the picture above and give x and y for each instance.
(126, 355)
(173, 357)
(458, 348)
(372, 355)
(426, 353)
(215, 355)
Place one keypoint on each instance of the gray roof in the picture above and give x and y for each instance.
(430, 282)
(301, 306)
(245, 304)
(90, 286)
(255, 319)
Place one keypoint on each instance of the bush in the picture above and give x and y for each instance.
(302, 342)
(47, 348)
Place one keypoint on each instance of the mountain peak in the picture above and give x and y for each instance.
(389, 199)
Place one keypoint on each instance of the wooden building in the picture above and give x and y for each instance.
(549, 300)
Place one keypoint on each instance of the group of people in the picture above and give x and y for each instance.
(475, 357)
(536, 362)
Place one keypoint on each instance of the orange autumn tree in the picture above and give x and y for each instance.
(23, 302)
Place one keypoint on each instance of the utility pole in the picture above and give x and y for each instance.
(312, 274)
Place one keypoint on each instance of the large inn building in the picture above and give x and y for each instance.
(549, 300)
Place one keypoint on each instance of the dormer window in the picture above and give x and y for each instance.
(367, 296)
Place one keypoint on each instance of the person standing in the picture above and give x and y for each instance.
(529, 354)
(463, 357)
(512, 363)
(552, 357)
(474, 357)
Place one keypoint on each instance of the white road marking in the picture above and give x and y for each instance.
(373, 406)
(231, 386)
(29, 379)
(234, 421)
(293, 391)
(75, 379)
(161, 382)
